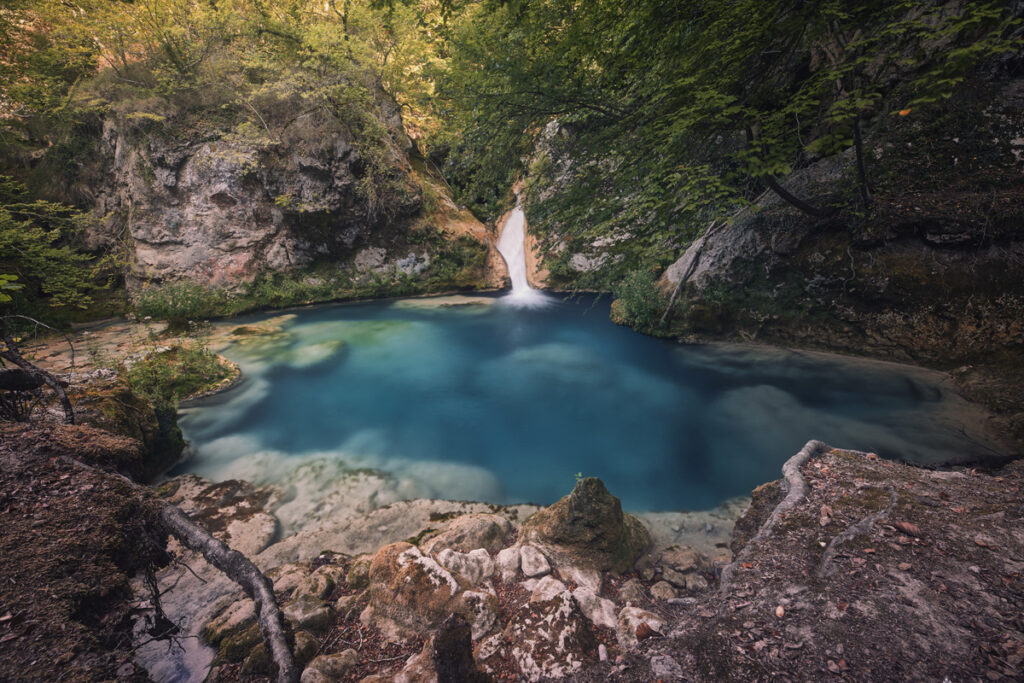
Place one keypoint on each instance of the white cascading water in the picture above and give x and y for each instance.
(512, 247)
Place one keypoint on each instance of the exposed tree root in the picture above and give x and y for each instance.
(235, 566)
(795, 486)
(861, 527)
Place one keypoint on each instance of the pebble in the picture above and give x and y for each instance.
(602, 653)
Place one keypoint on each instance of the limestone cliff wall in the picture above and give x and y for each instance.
(222, 207)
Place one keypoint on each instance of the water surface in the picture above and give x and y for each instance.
(503, 404)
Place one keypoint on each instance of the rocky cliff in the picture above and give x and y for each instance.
(288, 187)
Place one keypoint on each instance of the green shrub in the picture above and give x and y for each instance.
(181, 304)
(167, 377)
(638, 300)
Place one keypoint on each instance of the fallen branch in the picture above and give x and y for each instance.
(861, 527)
(9, 352)
(233, 564)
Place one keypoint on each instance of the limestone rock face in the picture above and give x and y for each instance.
(588, 528)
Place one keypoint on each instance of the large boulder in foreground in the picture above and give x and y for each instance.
(588, 528)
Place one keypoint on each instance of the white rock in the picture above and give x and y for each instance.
(482, 610)
(602, 653)
(600, 611)
(588, 578)
(508, 563)
(533, 561)
(629, 619)
(547, 589)
(474, 566)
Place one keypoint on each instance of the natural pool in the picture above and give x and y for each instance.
(468, 398)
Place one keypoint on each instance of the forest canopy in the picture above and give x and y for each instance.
(633, 125)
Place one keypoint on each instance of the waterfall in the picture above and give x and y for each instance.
(512, 247)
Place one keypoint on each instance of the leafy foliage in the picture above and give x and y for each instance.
(654, 118)
(36, 249)
(180, 304)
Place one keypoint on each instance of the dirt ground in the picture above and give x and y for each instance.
(930, 587)
(69, 540)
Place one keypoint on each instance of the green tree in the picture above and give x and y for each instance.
(36, 247)
(653, 118)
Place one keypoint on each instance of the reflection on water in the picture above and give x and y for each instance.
(494, 403)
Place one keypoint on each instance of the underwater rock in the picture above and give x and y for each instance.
(587, 528)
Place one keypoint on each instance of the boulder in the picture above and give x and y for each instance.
(663, 590)
(545, 589)
(321, 583)
(310, 613)
(631, 619)
(469, 532)
(533, 562)
(330, 668)
(480, 610)
(236, 618)
(550, 640)
(632, 591)
(508, 561)
(583, 577)
(682, 559)
(474, 566)
(587, 528)
(409, 592)
(600, 611)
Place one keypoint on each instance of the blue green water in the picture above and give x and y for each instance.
(500, 404)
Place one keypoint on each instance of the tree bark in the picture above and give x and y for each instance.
(243, 572)
(862, 172)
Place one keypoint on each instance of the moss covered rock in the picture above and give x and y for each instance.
(589, 529)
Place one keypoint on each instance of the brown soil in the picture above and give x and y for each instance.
(69, 540)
